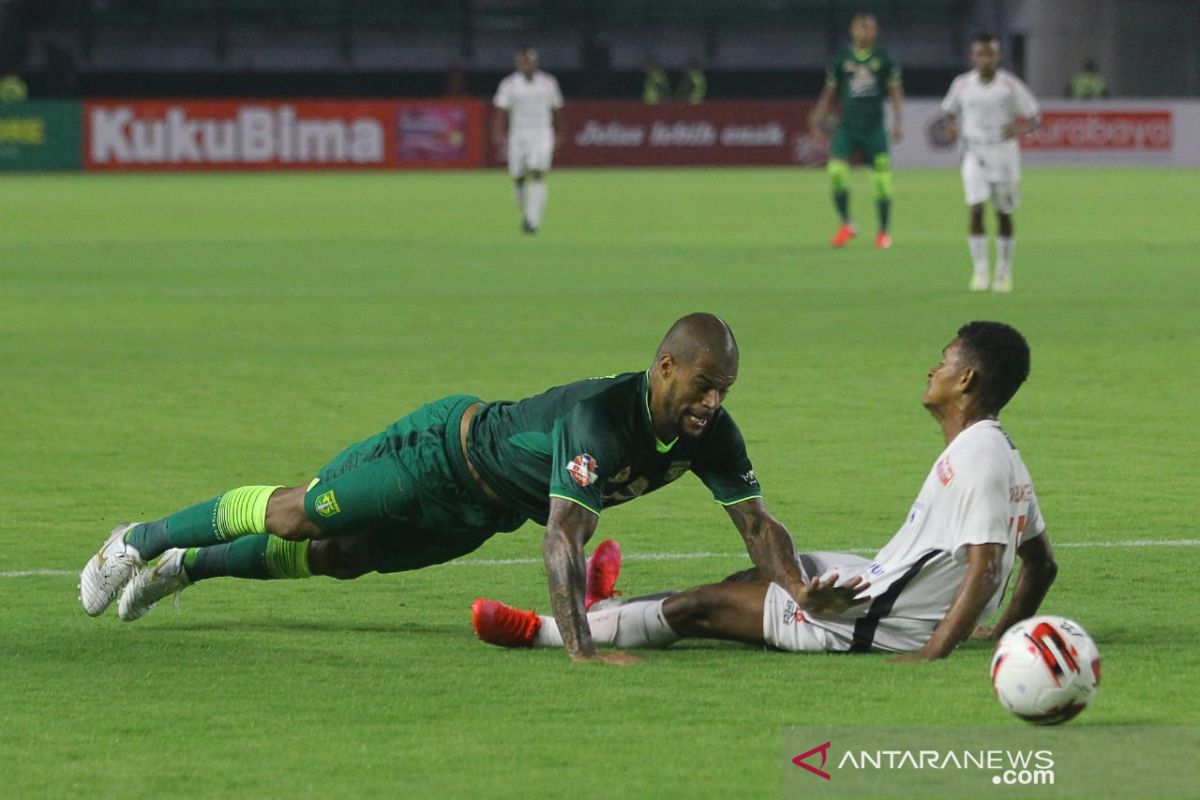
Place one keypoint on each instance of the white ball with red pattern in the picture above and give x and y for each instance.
(1046, 669)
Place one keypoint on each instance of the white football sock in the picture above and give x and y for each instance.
(978, 246)
(1004, 255)
(638, 624)
(537, 202)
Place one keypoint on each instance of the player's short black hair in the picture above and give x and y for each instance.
(1000, 356)
(984, 37)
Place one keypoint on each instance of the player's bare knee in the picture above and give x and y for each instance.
(344, 558)
(285, 515)
(688, 611)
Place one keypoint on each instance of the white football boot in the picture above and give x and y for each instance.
(1002, 284)
(979, 282)
(107, 572)
(152, 584)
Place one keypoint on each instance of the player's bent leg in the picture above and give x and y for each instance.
(344, 558)
(286, 518)
(731, 610)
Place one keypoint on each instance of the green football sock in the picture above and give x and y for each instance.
(839, 180)
(841, 201)
(238, 512)
(885, 208)
(260, 557)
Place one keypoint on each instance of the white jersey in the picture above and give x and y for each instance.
(978, 492)
(530, 103)
(986, 109)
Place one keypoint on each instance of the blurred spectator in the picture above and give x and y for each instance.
(692, 86)
(657, 87)
(13, 89)
(1086, 84)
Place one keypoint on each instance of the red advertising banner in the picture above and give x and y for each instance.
(1102, 130)
(634, 134)
(281, 135)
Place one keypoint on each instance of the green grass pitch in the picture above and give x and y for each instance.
(165, 338)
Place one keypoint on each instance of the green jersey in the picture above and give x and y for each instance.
(592, 443)
(862, 79)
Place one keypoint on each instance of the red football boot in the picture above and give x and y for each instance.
(883, 241)
(602, 570)
(505, 626)
(845, 233)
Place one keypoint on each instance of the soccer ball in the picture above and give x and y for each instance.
(1046, 669)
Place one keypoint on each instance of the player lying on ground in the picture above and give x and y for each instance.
(944, 569)
(440, 482)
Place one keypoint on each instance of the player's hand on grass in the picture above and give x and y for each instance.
(617, 658)
(825, 598)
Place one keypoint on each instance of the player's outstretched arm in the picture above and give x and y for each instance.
(978, 585)
(568, 529)
(1038, 570)
(821, 110)
(768, 543)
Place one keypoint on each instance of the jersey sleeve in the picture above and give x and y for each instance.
(503, 98)
(556, 98)
(833, 70)
(724, 466)
(978, 491)
(1035, 524)
(583, 451)
(893, 76)
(1024, 102)
(952, 102)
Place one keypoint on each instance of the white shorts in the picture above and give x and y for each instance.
(530, 152)
(787, 627)
(992, 172)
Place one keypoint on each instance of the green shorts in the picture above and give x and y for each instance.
(409, 489)
(872, 144)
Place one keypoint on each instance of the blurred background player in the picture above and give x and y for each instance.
(996, 108)
(527, 104)
(1087, 83)
(859, 75)
(693, 86)
(657, 86)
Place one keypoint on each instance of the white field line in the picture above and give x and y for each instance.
(693, 556)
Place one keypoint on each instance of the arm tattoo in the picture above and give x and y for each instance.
(562, 550)
(768, 543)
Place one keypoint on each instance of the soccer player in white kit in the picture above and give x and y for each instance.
(996, 108)
(926, 590)
(527, 113)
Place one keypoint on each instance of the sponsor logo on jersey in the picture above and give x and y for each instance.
(327, 504)
(582, 470)
(945, 472)
(750, 478)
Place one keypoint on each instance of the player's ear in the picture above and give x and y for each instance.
(666, 364)
(968, 380)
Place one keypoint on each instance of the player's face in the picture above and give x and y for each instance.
(693, 393)
(526, 64)
(985, 57)
(945, 378)
(863, 30)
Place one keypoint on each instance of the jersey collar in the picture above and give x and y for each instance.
(862, 55)
(658, 443)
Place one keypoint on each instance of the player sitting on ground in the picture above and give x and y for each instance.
(929, 586)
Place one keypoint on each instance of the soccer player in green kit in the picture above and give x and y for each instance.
(860, 75)
(441, 481)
